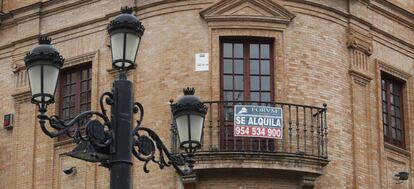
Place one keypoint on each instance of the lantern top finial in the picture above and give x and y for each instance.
(189, 91)
(189, 102)
(45, 53)
(126, 21)
(43, 39)
(126, 10)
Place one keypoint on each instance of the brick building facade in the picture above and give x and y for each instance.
(357, 56)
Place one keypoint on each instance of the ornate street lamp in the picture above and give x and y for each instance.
(188, 115)
(125, 32)
(110, 140)
(43, 64)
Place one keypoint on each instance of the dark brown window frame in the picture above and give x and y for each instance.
(387, 114)
(78, 70)
(246, 66)
(227, 141)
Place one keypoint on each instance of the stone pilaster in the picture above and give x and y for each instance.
(360, 48)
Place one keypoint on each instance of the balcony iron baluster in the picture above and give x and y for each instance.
(304, 128)
(234, 138)
(239, 138)
(318, 130)
(322, 134)
(326, 130)
(251, 143)
(219, 133)
(267, 141)
(210, 126)
(226, 129)
(297, 130)
(283, 147)
(312, 132)
(290, 130)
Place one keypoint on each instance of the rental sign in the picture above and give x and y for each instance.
(258, 121)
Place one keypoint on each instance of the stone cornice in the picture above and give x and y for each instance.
(360, 78)
(396, 8)
(247, 10)
(259, 160)
(393, 70)
(27, 13)
(67, 29)
(147, 10)
(47, 7)
(392, 37)
(340, 14)
(73, 61)
(22, 95)
(50, 8)
(408, 21)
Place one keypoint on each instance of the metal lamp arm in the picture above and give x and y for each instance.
(147, 146)
(61, 127)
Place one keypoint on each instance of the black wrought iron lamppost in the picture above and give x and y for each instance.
(110, 140)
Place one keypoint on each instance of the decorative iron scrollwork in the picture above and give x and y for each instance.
(145, 149)
(147, 145)
(96, 124)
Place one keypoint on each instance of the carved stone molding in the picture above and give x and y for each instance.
(308, 182)
(20, 76)
(189, 181)
(22, 96)
(224, 160)
(247, 10)
(73, 61)
(367, 2)
(360, 78)
(360, 45)
(360, 40)
(383, 66)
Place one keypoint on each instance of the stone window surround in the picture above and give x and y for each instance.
(383, 67)
(226, 19)
(87, 58)
(278, 67)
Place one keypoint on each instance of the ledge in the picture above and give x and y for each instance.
(260, 160)
(360, 77)
(397, 150)
(22, 95)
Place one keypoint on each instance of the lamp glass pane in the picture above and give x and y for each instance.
(117, 46)
(35, 79)
(132, 42)
(51, 74)
(182, 127)
(196, 127)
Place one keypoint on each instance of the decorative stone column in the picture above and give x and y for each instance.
(360, 48)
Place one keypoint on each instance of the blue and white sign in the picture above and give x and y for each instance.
(258, 121)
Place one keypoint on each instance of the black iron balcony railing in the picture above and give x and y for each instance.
(305, 131)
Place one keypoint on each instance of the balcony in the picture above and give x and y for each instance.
(302, 149)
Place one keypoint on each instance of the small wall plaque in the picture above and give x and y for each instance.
(201, 62)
